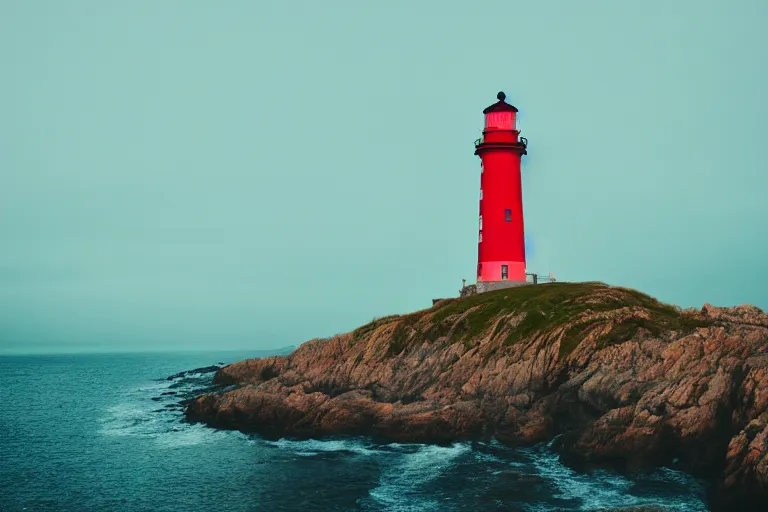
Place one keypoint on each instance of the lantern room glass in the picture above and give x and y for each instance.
(500, 121)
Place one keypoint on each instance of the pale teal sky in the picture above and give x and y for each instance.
(249, 174)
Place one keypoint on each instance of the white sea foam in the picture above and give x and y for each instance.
(130, 419)
(313, 447)
(489, 457)
(141, 416)
(151, 387)
(399, 485)
(188, 435)
(604, 489)
(193, 376)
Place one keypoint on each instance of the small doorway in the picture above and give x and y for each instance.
(504, 272)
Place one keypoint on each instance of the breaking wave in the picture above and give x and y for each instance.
(154, 410)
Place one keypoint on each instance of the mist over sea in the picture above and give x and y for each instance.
(105, 433)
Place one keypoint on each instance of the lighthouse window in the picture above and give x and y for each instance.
(481, 193)
(480, 238)
(504, 272)
(481, 223)
(507, 215)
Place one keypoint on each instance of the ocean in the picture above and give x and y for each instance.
(105, 433)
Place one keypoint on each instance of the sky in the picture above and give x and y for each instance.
(189, 175)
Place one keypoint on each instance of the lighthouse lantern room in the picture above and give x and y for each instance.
(501, 236)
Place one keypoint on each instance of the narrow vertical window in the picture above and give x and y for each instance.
(481, 194)
(507, 215)
(481, 223)
(504, 272)
(480, 238)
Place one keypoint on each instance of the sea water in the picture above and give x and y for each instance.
(106, 433)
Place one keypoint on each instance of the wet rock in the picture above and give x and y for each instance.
(204, 369)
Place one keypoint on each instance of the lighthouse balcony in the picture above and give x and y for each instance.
(521, 142)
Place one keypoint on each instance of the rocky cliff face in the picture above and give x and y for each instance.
(618, 376)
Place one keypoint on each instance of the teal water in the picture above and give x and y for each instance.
(105, 433)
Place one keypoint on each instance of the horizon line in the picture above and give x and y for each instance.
(143, 351)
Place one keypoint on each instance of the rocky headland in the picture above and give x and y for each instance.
(614, 376)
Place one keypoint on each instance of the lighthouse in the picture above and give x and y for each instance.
(501, 233)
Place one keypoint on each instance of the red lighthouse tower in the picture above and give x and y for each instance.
(501, 239)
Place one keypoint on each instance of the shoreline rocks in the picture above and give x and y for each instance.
(621, 379)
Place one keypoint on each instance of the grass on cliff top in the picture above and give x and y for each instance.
(367, 329)
(551, 305)
(545, 305)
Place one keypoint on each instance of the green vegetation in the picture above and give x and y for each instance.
(576, 333)
(367, 329)
(534, 321)
(659, 322)
(662, 318)
(402, 333)
(546, 307)
(399, 340)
